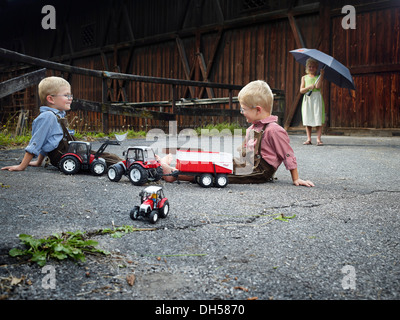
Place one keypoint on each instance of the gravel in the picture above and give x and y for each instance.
(216, 243)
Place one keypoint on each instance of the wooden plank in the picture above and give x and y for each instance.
(15, 56)
(22, 82)
(120, 109)
(292, 110)
(192, 111)
(204, 72)
(185, 62)
(386, 100)
(296, 31)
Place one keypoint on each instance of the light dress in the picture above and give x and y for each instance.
(313, 106)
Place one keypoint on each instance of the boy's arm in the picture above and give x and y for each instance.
(299, 182)
(23, 165)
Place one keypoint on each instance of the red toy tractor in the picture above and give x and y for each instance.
(80, 157)
(140, 165)
(153, 205)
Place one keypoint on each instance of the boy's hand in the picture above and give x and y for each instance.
(307, 183)
(14, 168)
(35, 164)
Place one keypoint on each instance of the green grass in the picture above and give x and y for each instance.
(9, 140)
(221, 127)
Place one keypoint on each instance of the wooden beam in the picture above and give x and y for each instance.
(15, 56)
(292, 110)
(120, 109)
(203, 69)
(185, 62)
(196, 111)
(188, 32)
(27, 80)
(296, 31)
(300, 44)
(324, 39)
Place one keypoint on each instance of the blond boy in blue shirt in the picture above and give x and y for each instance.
(56, 98)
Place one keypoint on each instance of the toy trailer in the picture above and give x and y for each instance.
(208, 168)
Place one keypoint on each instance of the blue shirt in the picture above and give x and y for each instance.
(46, 132)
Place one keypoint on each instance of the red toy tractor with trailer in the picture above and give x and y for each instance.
(153, 205)
(208, 168)
(140, 165)
(80, 157)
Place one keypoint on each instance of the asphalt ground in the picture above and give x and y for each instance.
(340, 243)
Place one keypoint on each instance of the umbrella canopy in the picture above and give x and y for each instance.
(334, 71)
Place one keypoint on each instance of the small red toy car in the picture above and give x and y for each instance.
(153, 205)
(140, 165)
(80, 157)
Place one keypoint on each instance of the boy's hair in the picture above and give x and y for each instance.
(257, 93)
(49, 86)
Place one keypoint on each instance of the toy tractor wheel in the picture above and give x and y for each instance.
(134, 214)
(206, 180)
(221, 181)
(70, 165)
(153, 216)
(115, 172)
(138, 175)
(164, 210)
(98, 167)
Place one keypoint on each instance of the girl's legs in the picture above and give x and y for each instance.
(308, 131)
(319, 133)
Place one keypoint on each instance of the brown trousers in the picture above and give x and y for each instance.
(62, 148)
(261, 171)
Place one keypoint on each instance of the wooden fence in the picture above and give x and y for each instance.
(188, 113)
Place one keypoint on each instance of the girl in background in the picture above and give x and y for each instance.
(313, 107)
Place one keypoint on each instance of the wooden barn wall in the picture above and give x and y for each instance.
(371, 52)
(88, 38)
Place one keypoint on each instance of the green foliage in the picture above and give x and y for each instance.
(13, 141)
(59, 246)
(119, 232)
(135, 134)
(100, 135)
(283, 218)
(9, 140)
(67, 245)
(220, 127)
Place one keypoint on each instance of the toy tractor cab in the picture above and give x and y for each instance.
(153, 204)
(80, 157)
(140, 165)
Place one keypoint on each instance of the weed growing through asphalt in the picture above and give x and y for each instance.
(72, 245)
(59, 246)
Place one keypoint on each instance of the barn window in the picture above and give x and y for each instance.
(254, 4)
(88, 35)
